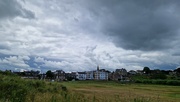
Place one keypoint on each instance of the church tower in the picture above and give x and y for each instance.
(98, 68)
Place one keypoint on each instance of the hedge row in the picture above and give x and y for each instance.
(160, 82)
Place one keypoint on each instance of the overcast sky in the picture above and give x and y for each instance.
(78, 35)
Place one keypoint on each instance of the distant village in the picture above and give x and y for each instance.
(98, 74)
(60, 75)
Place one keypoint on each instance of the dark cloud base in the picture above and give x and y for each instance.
(145, 25)
(12, 8)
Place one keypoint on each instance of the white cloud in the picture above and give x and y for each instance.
(15, 62)
(66, 35)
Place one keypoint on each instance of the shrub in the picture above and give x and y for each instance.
(13, 91)
(158, 76)
(161, 82)
(173, 82)
(138, 81)
(147, 81)
(64, 88)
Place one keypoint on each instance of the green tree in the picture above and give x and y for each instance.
(146, 70)
(49, 74)
(177, 70)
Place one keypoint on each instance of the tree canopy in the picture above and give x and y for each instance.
(146, 70)
(49, 74)
(177, 70)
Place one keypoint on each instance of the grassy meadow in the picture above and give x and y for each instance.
(15, 89)
(108, 91)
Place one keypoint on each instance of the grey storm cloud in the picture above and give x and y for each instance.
(4, 47)
(12, 8)
(138, 24)
(78, 35)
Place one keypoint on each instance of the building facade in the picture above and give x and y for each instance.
(59, 75)
(100, 74)
(81, 75)
(89, 75)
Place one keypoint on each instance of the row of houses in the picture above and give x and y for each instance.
(60, 75)
(98, 74)
(28, 74)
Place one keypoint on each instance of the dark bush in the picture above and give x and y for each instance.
(158, 76)
(64, 88)
(138, 81)
(161, 82)
(147, 81)
(173, 82)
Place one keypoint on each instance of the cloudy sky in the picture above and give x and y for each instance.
(78, 35)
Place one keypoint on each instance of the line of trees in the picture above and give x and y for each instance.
(156, 76)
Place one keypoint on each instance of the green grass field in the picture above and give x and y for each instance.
(15, 89)
(107, 91)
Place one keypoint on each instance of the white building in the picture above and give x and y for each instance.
(89, 75)
(100, 74)
(103, 75)
(81, 75)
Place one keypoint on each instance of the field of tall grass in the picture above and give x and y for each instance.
(15, 89)
(109, 91)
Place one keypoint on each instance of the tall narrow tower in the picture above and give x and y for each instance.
(98, 67)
